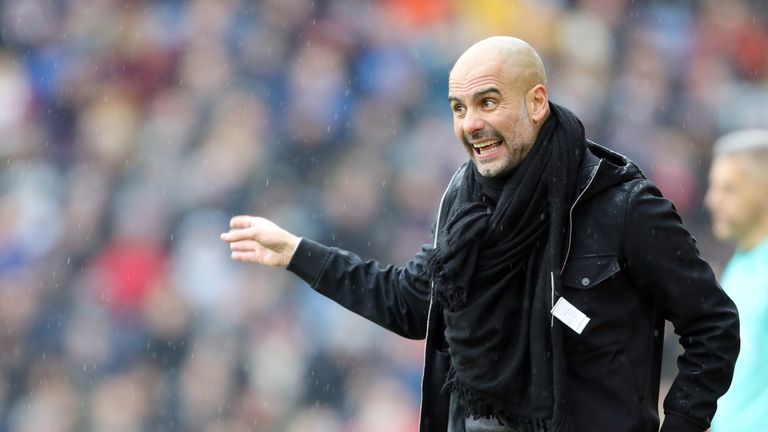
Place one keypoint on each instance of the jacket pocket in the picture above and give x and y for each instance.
(587, 271)
(591, 283)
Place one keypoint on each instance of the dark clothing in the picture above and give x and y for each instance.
(457, 422)
(629, 264)
(495, 273)
(492, 187)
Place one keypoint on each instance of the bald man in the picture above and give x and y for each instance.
(736, 198)
(554, 263)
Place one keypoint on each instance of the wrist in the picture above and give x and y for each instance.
(293, 245)
(309, 260)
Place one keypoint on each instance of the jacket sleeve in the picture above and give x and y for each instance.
(662, 257)
(396, 298)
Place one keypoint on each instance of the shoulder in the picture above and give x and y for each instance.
(450, 193)
(453, 185)
(604, 172)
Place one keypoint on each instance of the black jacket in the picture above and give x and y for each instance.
(629, 265)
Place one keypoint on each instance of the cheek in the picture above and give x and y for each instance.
(736, 210)
(519, 130)
(457, 129)
(749, 207)
(725, 203)
(755, 196)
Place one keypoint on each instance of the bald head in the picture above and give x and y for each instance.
(518, 59)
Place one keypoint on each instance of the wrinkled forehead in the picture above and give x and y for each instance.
(476, 62)
(464, 77)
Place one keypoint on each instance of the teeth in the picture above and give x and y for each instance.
(485, 144)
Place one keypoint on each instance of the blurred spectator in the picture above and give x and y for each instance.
(736, 199)
(129, 131)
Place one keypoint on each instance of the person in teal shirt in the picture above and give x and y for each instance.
(738, 201)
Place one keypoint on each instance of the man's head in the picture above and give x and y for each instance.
(738, 188)
(498, 95)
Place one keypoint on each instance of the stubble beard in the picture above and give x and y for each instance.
(514, 155)
(515, 152)
(492, 169)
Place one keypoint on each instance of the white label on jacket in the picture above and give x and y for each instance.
(569, 315)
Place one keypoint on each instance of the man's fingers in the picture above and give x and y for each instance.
(258, 240)
(238, 229)
(244, 245)
(244, 256)
(241, 221)
(235, 235)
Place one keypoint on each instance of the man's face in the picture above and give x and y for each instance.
(490, 118)
(735, 199)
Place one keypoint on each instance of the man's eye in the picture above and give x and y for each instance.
(488, 103)
(458, 109)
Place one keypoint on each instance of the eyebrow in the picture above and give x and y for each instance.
(478, 94)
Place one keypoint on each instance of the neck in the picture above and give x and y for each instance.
(493, 186)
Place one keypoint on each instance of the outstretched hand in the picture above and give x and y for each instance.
(258, 240)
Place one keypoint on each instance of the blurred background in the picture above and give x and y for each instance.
(131, 131)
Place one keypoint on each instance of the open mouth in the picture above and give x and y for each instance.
(486, 147)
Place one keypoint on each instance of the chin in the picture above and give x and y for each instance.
(492, 170)
(488, 171)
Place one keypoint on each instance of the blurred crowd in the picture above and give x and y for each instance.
(131, 131)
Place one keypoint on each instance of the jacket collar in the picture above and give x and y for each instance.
(603, 168)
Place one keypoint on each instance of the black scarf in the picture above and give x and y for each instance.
(496, 273)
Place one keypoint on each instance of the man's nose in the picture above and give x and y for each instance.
(472, 123)
(710, 199)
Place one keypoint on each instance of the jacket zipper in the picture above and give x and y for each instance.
(434, 244)
(431, 287)
(570, 214)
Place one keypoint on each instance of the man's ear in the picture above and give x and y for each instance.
(537, 103)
